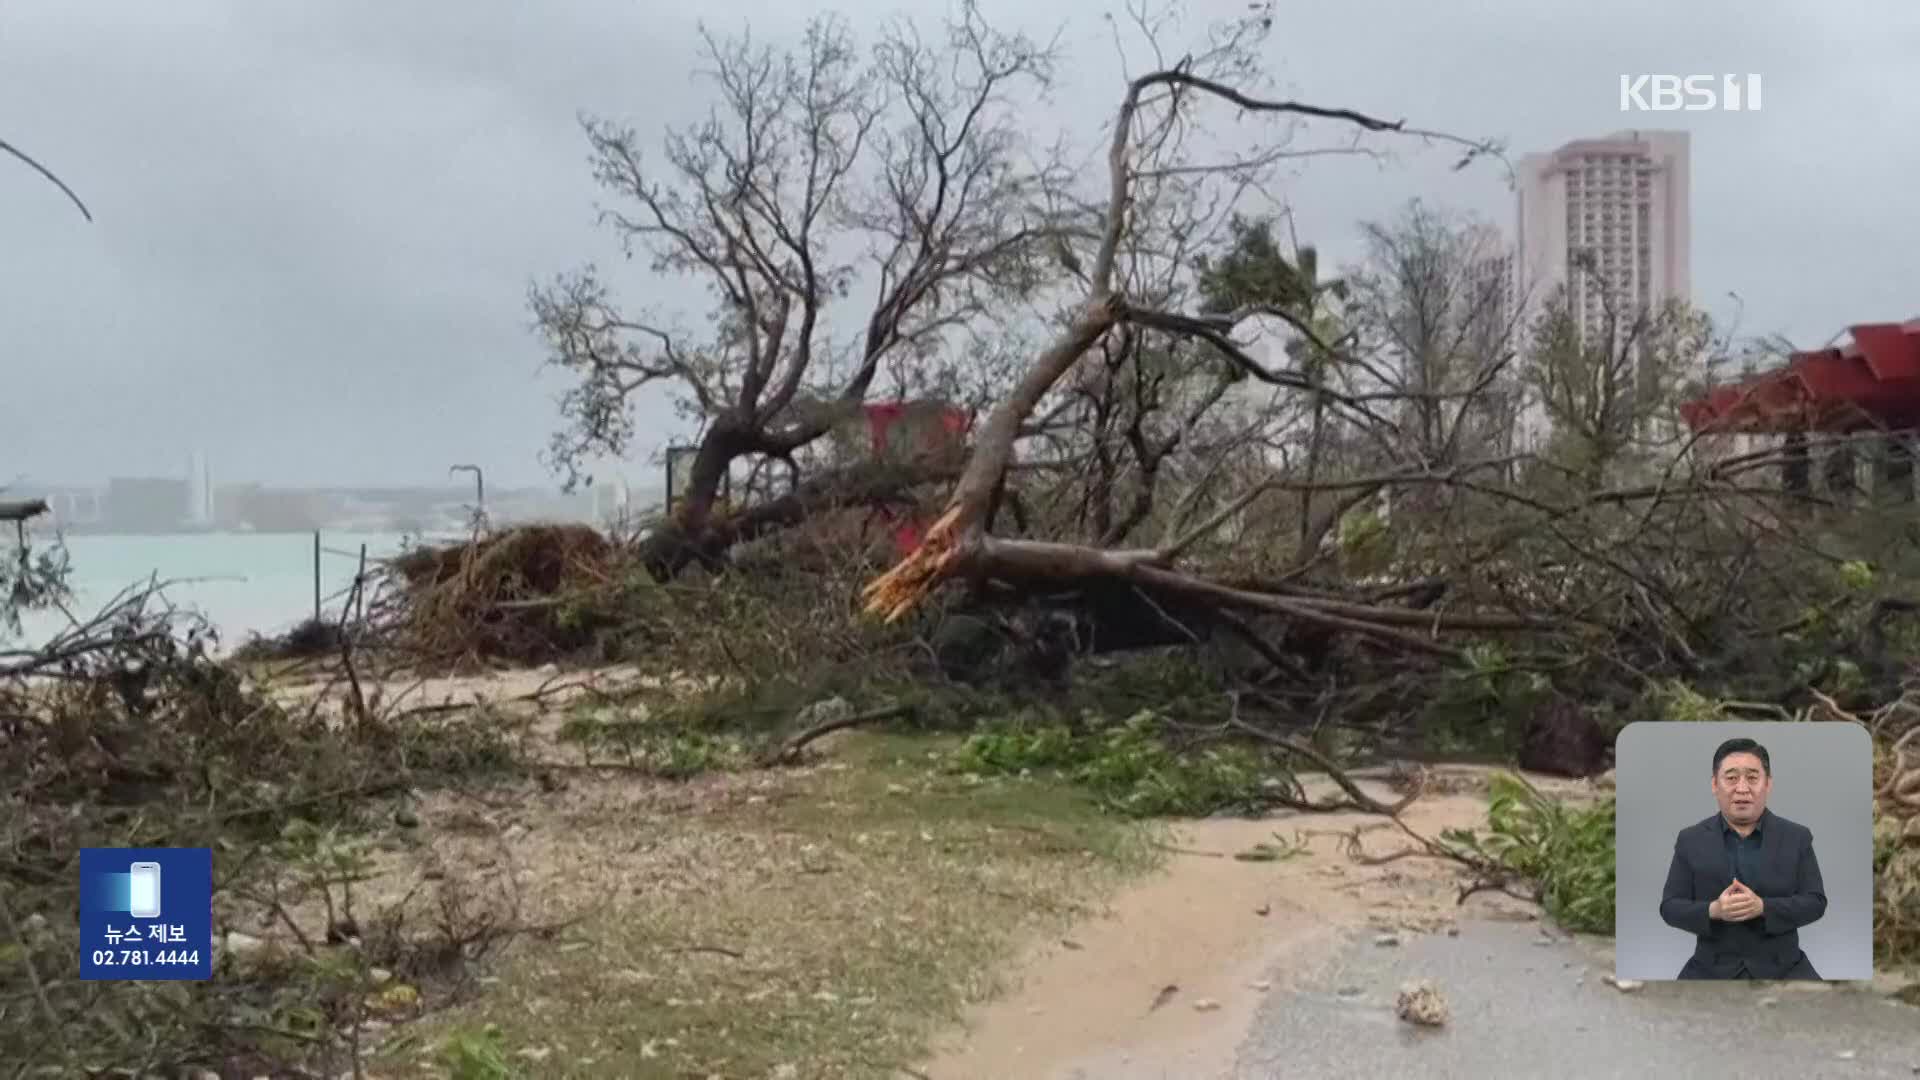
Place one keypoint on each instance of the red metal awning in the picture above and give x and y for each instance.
(1872, 381)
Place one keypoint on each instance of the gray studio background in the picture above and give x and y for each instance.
(1822, 778)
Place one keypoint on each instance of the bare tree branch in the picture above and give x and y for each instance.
(48, 173)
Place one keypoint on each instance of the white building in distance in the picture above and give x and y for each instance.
(199, 491)
(1623, 199)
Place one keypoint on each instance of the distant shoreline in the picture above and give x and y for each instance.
(43, 528)
(68, 529)
(242, 583)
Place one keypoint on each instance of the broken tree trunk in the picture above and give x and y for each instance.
(955, 545)
(959, 544)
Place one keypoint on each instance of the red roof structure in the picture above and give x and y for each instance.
(913, 427)
(927, 424)
(1870, 383)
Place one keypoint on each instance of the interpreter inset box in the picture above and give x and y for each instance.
(146, 913)
(1743, 850)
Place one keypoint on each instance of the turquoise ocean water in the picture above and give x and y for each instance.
(241, 582)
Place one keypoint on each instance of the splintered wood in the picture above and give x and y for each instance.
(894, 593)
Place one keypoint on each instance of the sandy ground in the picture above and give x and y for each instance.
(1169, 978)
(548, 682)
(1184, 972)
(546, 692)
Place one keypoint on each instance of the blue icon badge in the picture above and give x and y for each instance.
(146, 913)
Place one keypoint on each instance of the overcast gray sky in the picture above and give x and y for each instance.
(316, 221)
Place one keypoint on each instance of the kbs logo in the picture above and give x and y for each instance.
(1689, 93)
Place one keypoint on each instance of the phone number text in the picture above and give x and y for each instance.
(144, 957)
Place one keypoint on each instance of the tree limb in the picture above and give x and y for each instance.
(48, 173)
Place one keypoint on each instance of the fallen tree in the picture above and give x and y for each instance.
(961, 544)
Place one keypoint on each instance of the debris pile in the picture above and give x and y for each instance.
(522, 595)
(311, 638)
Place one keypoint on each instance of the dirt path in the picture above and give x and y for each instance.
(1215, 929)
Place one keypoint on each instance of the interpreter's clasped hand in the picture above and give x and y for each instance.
(1737, 903)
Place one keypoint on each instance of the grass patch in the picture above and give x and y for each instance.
(659, 749)
(824, 929)
(1129, 768)
(1567, 850)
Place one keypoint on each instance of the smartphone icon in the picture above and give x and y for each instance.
(143, 893)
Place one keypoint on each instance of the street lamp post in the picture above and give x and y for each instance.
(479, 489)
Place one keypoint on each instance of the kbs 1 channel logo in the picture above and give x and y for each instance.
(1689, 93)
(146, 913)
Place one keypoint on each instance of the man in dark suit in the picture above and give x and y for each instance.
(1744, 881)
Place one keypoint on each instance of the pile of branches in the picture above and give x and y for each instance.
(524, 595)
(123, 732)
(126, 704)
(1528, 622)
(126, 731)
(310, 639)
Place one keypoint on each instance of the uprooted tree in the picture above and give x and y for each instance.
(822, 173)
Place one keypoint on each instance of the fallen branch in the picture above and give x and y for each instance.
(944, 555)
(1500, 885)
(1351, 618)
(23, 156)
(789, 751)
(1361, 799)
